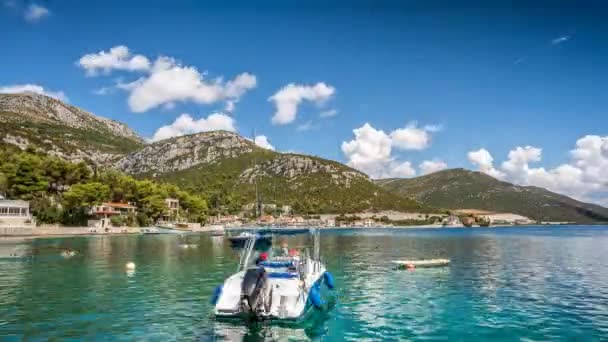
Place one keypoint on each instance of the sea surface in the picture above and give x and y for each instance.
(504, 284)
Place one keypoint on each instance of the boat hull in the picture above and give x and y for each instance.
(288, 299)
(260, 242)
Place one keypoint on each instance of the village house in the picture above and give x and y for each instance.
(172, 210)
(103, 212)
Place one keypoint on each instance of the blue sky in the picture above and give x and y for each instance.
(493, 75)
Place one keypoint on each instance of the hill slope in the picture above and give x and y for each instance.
(63, 130)
(226, 167)
(464, 189)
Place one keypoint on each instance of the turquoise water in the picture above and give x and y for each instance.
(503, 284)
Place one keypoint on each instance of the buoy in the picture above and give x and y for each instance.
(329, 280)
(315, 297)
(130, 265)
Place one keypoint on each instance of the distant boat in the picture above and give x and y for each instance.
(283, 231)
(166, 228)
(240, 240)
(421, 263)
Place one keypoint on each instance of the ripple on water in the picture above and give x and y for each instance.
(503, 284)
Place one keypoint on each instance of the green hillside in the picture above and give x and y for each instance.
(464, 189)
(63, 130)
(227, 176)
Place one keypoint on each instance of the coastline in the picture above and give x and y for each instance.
(37, 232)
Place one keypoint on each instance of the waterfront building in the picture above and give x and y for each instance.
(103, 212)
(172, 210)
(14, 212)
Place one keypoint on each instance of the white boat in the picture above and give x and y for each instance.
(166, 228)
(421, 263)
(279, 288)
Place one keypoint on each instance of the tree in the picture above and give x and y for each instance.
(86, 195)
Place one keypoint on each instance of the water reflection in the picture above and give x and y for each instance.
(502, 284)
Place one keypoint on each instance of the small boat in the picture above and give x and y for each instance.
(421, 263)
(164, 229)
(260, 240)
(282, 288)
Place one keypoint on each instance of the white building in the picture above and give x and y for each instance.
(14, 212)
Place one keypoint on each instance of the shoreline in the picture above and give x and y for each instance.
(17, 232)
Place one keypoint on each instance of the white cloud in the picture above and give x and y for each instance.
(584, 177)
(117, 58)
(166, 81)
(411, 137)
(35, 12)
(172, 82)
(33, 88)
(288, 98)
(328, 113)
(519, 158)
(484, 162)
(185, 124)
(560, 40)
(400, 169)
(431, 166)
(263, 142)
(370, 152)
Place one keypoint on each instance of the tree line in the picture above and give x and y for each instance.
(63, 192)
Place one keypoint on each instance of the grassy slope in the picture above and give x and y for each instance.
(309, 193)
(47, 134)
(463, 189)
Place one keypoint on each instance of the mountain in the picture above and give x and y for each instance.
(226, 167)
(464, 189)
(64, 130)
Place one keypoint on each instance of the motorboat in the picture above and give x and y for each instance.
(282, 287)
(261, 241)
(165, 228)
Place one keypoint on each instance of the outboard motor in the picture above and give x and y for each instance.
(253, 288)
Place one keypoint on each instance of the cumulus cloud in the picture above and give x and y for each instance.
(35, 12)
(170, 82)
(33, 88)
(185, 124)
(430, 166)
(484, 162)
(371, 150)
(584, 177)
(288, 98)
(117, 58)
(166, 81)
(263, 142)
(411, 137)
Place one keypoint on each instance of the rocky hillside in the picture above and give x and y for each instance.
(464, 189)
(226, 167)
(63, 130)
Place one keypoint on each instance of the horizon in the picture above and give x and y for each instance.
(398, 89)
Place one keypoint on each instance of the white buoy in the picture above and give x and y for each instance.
(130, 266)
